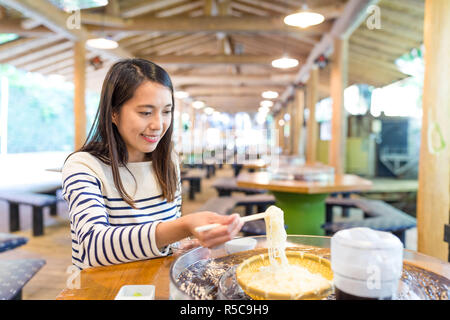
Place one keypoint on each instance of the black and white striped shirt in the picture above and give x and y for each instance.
(105, 229)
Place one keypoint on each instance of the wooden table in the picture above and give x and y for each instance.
(103, 283)
(303, 202)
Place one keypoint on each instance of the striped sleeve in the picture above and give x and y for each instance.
(94, 241)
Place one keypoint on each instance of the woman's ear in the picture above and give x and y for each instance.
(114, 118)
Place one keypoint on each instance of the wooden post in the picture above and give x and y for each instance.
(299, 105)
(433, 201)
(79, 94)
(339, 75)
(312, 131)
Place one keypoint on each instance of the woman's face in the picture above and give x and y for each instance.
(144, 119)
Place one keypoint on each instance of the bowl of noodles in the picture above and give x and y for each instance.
(281, 274)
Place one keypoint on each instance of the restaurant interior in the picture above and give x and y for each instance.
(337, 112)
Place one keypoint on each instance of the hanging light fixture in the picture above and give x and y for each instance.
(270, 94)
(102, 43)
(105, 42)
(266, 103)
(304, 18)
(285, 62)
(72, 5)
(181, 94)
(198, 104)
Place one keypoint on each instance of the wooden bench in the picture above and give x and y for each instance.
(14, 275)
(210, 168)
(195, 178)
(378, 215)
(36, 200)
(259, 201)
(226, 186)
(447, 238)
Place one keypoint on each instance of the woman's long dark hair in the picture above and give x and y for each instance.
(104, 140)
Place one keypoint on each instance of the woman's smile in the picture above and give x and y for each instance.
(150, 138)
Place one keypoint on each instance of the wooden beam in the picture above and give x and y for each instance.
(218, 59)
(48, 14)
(220, 79)
(299, 106)
(221, 90)
(339, 74)
(56, 20)
(174, 44)
(45, 62)
(39, 54)
(180, 9)
(212, 24)
(79, 82)
(146, 47)
(148, 6)
(14, 25)
(17, 47)
(433, 203)
(312, 93)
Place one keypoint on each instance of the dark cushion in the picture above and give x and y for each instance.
(14, 274)
(11, 241)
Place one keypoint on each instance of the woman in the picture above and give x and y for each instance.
(123, 186)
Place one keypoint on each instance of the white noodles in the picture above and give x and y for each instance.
(279, 276)
(276, 235)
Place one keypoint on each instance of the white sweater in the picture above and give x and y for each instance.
(105, 229)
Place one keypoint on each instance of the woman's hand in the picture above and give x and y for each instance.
(230, 226)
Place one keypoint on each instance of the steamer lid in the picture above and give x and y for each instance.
(364, 253)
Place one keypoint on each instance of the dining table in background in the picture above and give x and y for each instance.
(303, 202)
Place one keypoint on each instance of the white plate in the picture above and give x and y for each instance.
(136, 292)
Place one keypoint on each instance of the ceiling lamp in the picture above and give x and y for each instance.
(270, 95)
(181, 94)
(304, 18)
(209, 111)
(263, 110)
(198, 104)
(285, 62)
(266, 103)
(72, 5)
(102, 43)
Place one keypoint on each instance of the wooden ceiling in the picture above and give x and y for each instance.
(220, 51)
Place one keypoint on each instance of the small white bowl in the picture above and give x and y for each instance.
(136, 292)
(240, 244)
